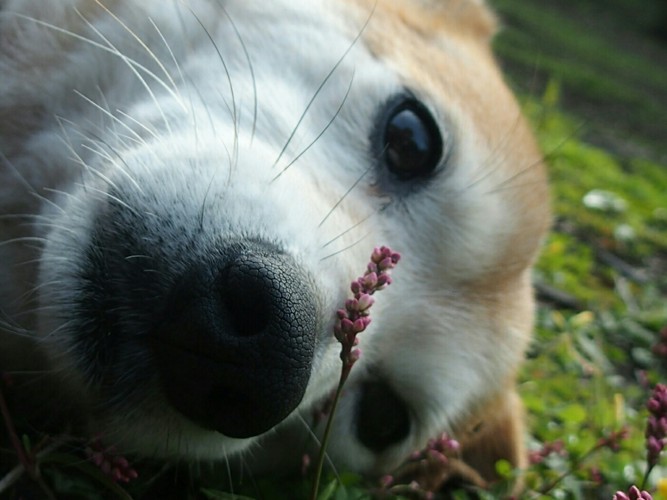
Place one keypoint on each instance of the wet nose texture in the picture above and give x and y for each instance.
(235, 352)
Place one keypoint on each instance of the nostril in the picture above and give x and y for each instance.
(382, 417)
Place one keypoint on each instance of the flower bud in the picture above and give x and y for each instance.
(361, 324)
(352, 305)
(377, 255)
(386, 481)
(386, 264)
(653, 448)
(338, 333)
(369, 281)
(365, 302)
(346, 325)
(437, 456)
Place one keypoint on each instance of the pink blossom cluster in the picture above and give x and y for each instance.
(110, 463)
(656, 425)
(354, 318)
(438, 448)
(633, 494)
(426, 470)
(556, 447)
(351, 321)
(614, 439)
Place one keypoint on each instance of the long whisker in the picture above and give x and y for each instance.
(230, 85)
(141, 43)
(137, 122)
(250, 68)
(346, 248)
(110, 49)
(496, 156)
(171, 55)
(22, 180)
(321, 86)
(80, 159)
(96, 139)
(129, 63)
(317, 441)
(113, 117)
(345, 195)
(509, 181)
(322, 132)
(349, 229)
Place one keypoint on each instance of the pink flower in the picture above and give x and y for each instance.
(633, 494)
(350, 321)
(354, 319)
(555, 447)
(614, 439)
(656, 425)
(438, 448)
(110, 463)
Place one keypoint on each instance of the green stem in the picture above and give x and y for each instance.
(649, 468)
(327, 431)
(550, 486)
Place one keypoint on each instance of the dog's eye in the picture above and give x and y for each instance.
(412, 145)
(382, 417)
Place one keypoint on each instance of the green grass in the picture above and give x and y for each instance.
(590, 371)
(614, 74)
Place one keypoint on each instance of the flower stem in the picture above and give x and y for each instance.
(649, 468)
(325, 438)
(545, 489)
(352, 320)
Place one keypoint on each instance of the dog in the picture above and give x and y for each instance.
(189, 186)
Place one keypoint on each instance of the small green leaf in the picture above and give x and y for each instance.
(25, 439)
(573, 414)
(328, 491)
(504, 469)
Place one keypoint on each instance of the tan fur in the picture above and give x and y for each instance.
(497, 433)
(413, 38)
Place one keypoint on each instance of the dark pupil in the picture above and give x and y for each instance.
(409, 145)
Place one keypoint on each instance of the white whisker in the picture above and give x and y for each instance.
(345, 249)
(146, 48)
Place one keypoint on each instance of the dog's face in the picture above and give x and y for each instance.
(225, 169)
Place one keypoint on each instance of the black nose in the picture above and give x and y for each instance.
(235, 351)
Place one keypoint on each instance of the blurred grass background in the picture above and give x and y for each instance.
(592, 76)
